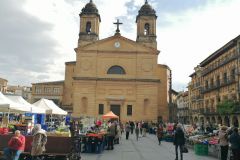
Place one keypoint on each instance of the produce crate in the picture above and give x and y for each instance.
(201, 149)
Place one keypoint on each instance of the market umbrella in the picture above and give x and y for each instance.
(109, 115)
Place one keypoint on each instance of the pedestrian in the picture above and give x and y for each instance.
(223, 142)
(127, 130)
(144, 129)
(16, 146)
(132, 126)
(179, 141)
(159, 133)
(141, 123)
(39, 142)
(137, 130)
(111, 136)
(235, 144)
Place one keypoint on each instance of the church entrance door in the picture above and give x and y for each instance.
(115, 109)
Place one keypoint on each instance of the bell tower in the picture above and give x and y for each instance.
(89, 24)
(146, 26)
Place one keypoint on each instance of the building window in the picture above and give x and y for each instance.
(225, 77)
(84, 104)
(211, 83)
(146, 29)
(145, 106)
(47, 89)
(100, 109)
(233, 73)
(38, 89)
(116, 70)
(88, 27)
(56, 90)
(206, 84)
(129, 110)
(218, 81)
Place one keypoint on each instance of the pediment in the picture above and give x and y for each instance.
(117, 43)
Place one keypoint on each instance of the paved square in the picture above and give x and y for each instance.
(146, 148)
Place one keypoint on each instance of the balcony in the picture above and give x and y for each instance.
(210, 111)
(222, 83)
(220, 64)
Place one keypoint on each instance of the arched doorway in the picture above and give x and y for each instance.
(213, 121)
(219, 120)
(195, 120)
(235, 122)
(202, 120)
(227, 121)
(208, 119)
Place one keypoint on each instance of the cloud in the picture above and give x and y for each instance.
(37, 37)
(195, 34)
(25, 45)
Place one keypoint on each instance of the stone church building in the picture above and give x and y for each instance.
(117, 73)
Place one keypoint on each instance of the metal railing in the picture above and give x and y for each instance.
(219, 83)
(220, 64)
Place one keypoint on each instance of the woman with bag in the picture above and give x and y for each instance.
(223, 142)
(179, 141)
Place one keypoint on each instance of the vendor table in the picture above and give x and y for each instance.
(55, 145)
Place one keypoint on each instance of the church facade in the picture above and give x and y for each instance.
(117, 73)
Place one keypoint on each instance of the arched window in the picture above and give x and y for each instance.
(146, 29)
(116, 70)
(84, 104)
(88, 27)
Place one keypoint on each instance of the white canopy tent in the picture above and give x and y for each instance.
(50, 107)
(20, 100)
(6, 105)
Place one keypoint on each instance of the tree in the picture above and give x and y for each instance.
(226, 107)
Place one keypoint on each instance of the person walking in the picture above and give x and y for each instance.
(179, 141)
(223, 142)
(159, 133)
(39, 142)
(144, 128)
(235, 144)
(127, 130)
(16, 146)
(137, 130)
(132, 126)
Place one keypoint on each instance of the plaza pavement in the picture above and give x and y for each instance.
(146, 148)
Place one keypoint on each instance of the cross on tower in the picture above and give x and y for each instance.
(117, 23)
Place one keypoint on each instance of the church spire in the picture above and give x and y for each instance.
(89, 24)
(146, 25)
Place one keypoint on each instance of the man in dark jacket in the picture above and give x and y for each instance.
(235, 144)
(179, 140)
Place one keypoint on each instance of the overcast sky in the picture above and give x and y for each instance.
(37, 37)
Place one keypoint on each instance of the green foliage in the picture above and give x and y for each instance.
(226, 107)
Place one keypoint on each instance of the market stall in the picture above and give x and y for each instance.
(51, 109)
